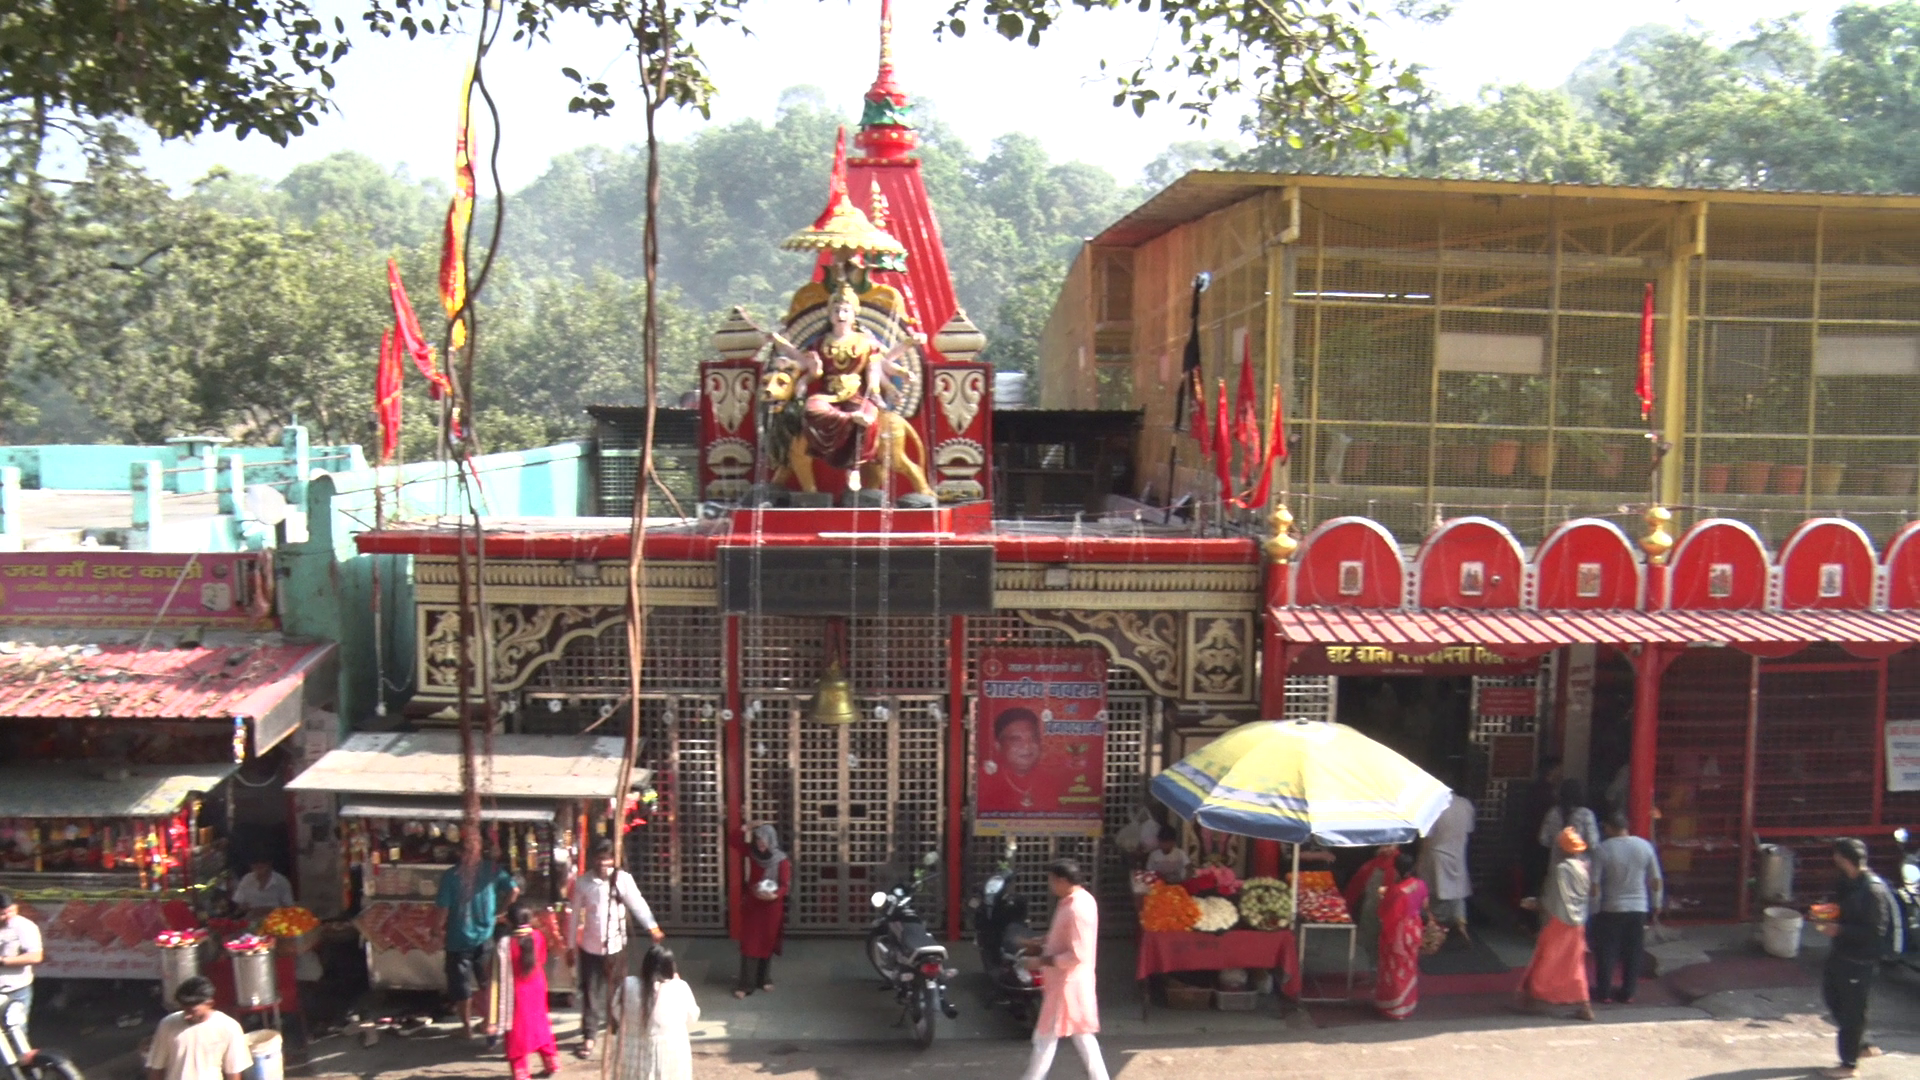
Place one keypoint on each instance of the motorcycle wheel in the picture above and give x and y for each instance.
(925, 1004)
(878, 952)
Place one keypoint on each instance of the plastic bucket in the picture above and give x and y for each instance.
(265, 1046)
(1780, 932)
(177, 964)
(254, 984)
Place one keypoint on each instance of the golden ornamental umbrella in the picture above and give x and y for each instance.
(842, 227)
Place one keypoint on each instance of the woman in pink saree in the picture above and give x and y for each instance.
(521, 999)
(1403, 907)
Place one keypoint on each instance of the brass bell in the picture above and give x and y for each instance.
(833, 698)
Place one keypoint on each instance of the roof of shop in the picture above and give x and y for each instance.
(1203, 191)
(428, 763)
(124, 680)
(97, 789)
(1414, 632)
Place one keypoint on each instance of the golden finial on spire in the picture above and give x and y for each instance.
(886, 33)
(1281, 546)
(1659, 540)
(877, 206)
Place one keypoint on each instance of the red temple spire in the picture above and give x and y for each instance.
(886, 121)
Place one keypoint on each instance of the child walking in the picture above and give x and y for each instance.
(668, 1011)
(522, 998)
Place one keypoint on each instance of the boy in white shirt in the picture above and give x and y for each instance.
(1169, 860)
(199, 1042)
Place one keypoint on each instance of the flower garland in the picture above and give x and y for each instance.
(1213, 881)
(1217, 915)
(1266, 903)
(1167, 909)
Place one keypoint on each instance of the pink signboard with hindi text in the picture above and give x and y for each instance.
(112, 588)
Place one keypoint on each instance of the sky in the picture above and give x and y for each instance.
(396, 99)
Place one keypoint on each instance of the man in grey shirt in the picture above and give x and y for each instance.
(1627, 888)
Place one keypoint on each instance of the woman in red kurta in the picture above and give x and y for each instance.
(763, 905)
(1069, 1007)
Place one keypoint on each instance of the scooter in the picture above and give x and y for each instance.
(1004, 939)
(1906, 894)
(19, 1060)
(910, 962)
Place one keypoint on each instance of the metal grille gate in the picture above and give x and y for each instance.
(1488, 855)
(860, 804)
(678, 858)
(1133, 756)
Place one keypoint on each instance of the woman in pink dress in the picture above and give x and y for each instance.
(1069, 1007)
(522, 999)
(1403, 908)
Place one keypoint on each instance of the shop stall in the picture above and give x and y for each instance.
(105, 857)
(1214, 922)
(543, 799)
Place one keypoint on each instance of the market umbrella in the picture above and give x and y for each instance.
(1303, 780)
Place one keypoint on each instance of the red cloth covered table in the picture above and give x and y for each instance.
(1189, 950)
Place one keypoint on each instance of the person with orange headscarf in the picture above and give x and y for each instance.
(1557, 974)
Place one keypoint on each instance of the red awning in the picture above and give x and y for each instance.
(1420, 632)
(260, 684)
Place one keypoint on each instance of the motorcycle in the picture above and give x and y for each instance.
(1906, 895)
(19, 1060)
(910, 962)
(1001, 933)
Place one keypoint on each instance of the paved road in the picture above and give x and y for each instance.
(1766, 1035)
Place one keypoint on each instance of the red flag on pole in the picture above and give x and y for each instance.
(1200, 433)
(406, 333)
(1222, 447)
(1644, 385)
(1276, 451)
(386, 396)
(1246, 423)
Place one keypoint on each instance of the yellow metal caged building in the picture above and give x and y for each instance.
(1454, 347)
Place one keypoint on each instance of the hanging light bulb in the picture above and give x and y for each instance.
(833, 698)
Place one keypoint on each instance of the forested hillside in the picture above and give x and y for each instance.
(134, 313)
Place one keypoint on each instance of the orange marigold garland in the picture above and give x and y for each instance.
(1169, 908)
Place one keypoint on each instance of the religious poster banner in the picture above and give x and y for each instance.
(1041, 742)
(1903, 755)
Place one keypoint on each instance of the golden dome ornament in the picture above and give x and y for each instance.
(1659, 539)
(842, 228)
(1281, 546)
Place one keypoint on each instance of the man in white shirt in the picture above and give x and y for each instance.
(262, 890)
(20, 949)
(1443, 864)
(199, 1042)
(597, 908)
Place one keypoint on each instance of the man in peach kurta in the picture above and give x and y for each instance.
(1069, 1008)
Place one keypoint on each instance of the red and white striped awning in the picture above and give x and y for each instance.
(1418, 632)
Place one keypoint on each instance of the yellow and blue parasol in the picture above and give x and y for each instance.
(1303, 780)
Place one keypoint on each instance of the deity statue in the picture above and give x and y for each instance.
(847, 377)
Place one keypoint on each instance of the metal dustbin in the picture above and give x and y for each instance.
(254, 985)
(178, 963)
(1776, 874)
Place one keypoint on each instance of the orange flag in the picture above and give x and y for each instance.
(453, 244)
(1276, 452)
(386, 396)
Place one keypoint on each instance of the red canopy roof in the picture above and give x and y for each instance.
(126, 681)
(1420, 632)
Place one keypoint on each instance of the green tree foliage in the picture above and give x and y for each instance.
(1772, 108)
